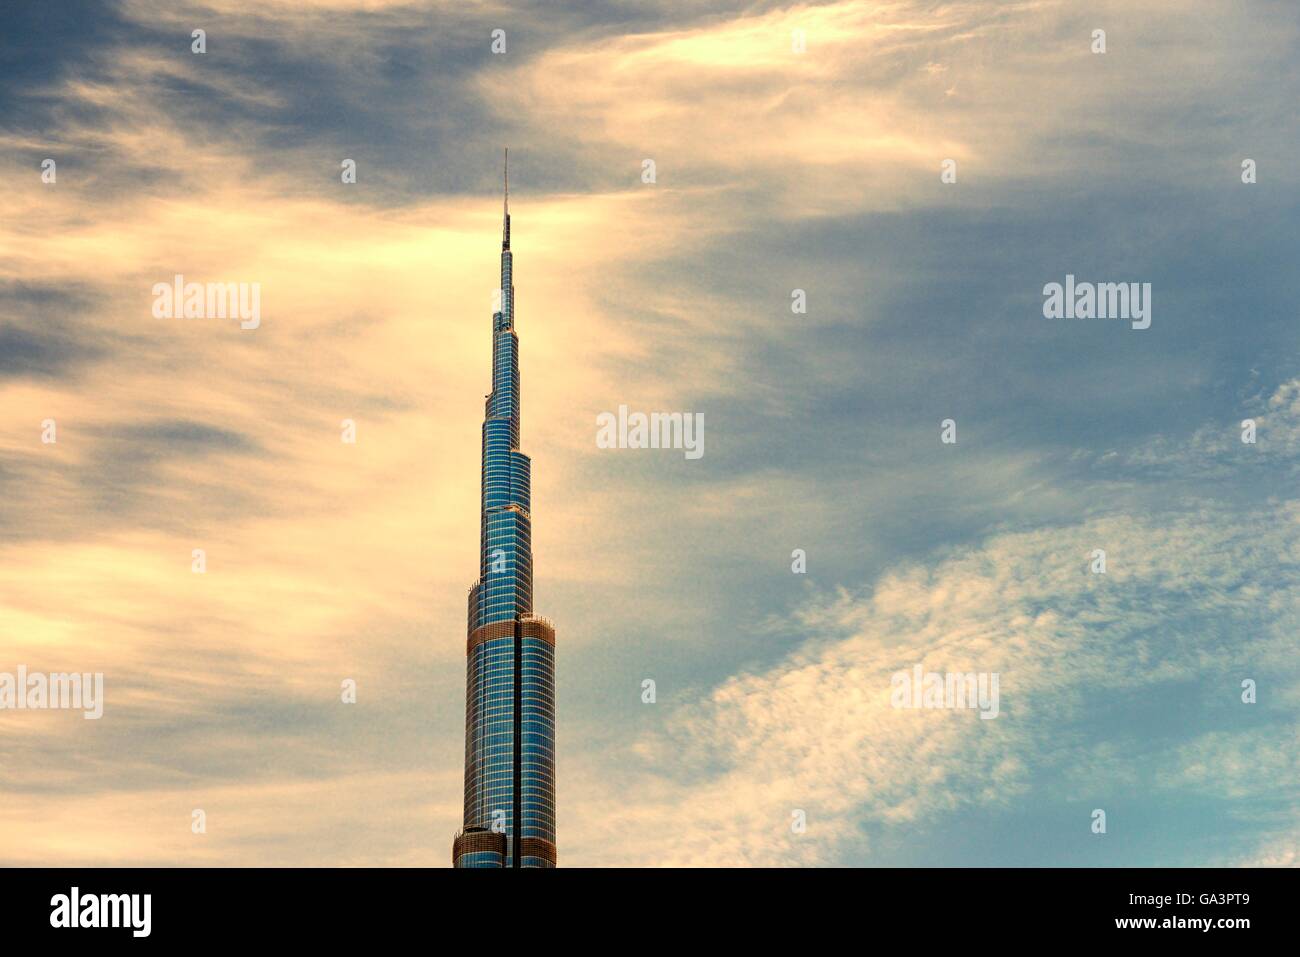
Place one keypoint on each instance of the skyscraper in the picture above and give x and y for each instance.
(510, 672)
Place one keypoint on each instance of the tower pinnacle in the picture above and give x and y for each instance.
(505, 234)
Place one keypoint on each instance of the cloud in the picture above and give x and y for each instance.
(860, 122)
(1193, 601)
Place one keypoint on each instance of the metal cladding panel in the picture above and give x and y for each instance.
(537, 738)
(506, 586)
(478, 849)
(490, 735)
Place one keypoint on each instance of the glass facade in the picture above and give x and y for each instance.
(509, 816)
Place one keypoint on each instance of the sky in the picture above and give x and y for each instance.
(771, 739)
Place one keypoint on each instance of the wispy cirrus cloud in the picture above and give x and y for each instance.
(1191, 604)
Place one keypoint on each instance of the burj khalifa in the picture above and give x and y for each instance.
(510, 671)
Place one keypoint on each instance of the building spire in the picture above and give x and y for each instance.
(505, 234)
